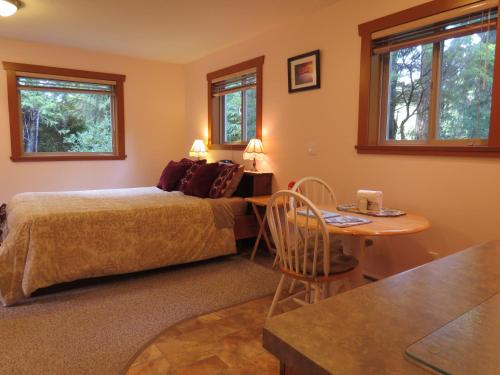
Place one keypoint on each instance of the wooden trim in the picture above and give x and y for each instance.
(408, 15)
(494, 134)
(364, 89)
(57, 89)
(364, 145)
(456, 13)
(383, 100)
(64, 78)
(236, 89)
(245, 65)
(40, 69)
(437, 37)
(25, 158)
(433, 121)
(259, 98)
(244, 120)
(14, 113)
(209, 112)
(471, 142)
(17, 153)
(227, 146)
(472, 151)
(120, 120)
(256, 63)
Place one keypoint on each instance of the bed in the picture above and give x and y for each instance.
(51, 238)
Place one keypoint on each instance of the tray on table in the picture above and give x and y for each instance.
(384, 212)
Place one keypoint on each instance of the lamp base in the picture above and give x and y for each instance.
(254, 166)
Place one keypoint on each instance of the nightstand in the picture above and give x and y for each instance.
(252, 184)
(255, 184)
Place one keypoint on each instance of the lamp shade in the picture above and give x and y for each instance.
(198, 149)
(254, 150)
(8, 7)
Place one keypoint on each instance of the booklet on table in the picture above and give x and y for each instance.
(342, 221)
(336, 219)
(324, 213)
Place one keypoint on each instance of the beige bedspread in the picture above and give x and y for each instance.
(58, 237)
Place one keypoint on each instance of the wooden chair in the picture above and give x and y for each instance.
(320, 193)
(3, 219)
(305, 253)
(316, 190)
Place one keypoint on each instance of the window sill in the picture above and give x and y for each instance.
(467, 151)
(67, 158)
(228, 146)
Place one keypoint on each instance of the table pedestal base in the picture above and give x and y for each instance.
(355, 246)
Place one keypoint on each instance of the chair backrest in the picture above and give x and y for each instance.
(316, 190)
(299, 233)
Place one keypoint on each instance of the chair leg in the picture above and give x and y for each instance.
(325, 290)
(347, 284)
(317, 293)
(277, 296)
(335, 287)
(292, 287)
(307, 296)
(276, 259)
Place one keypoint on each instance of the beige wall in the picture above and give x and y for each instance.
(459, 195)
(154, 114)
(166, 106)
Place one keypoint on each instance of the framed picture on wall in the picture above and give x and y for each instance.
(304, 72)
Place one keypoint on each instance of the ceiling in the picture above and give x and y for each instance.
(170, 30)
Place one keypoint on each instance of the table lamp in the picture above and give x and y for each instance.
(254, 151)
(198, 149)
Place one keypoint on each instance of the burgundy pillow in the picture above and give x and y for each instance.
(183, 182)
(235, 182)
(190, 162)
(223, 180)
(203, 177)
(172, 174)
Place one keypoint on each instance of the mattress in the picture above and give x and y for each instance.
(238, 205)
(59, 237)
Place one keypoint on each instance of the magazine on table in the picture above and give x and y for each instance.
(343, 221)
(336, 219)
(324, 213)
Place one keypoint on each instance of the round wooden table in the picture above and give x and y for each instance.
(354, 237)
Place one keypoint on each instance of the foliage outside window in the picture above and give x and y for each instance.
(235, 104)
(238, 108)
(60, 114)
(430, 87)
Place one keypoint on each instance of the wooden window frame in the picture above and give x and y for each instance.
(368, 141)
(257, 64)
(14, 70)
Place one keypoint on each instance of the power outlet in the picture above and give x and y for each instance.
(434, 255)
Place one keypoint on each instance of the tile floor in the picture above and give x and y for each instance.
(224, 342)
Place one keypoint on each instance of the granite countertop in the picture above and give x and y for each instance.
(368, 329)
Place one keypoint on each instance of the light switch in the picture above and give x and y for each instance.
(312, 149)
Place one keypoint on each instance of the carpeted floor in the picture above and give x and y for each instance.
(97, 329)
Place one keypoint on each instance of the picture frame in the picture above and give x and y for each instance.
(304, 72)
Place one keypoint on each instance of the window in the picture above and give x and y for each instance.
(428, 83)
(235, 102)
(62, 114)
(238, 107)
